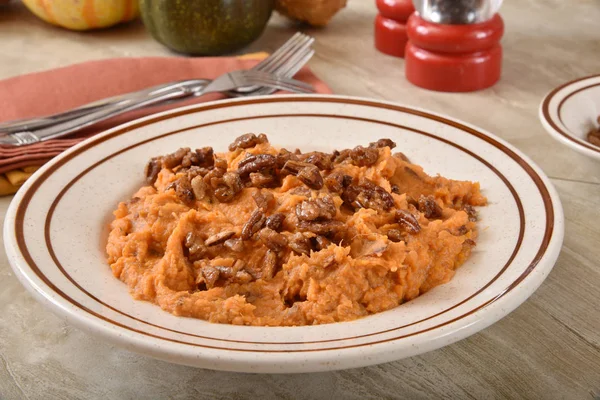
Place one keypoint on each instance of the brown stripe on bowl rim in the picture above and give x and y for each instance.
(546, 111)
(56, 165)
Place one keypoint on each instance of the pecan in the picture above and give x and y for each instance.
(183, 189)
(256, 163)
(320, 160)
(340, 156)
(429, 207)
(407, 221)
(248, 140)
(368, 195)
(383, 143)
(275, 222)
(462, 230)
(337, 182)
(218, 238)
(261, 179)
(284, 156)
(221, 164)
(273, 240)
(254, 224)
(269, 265)
(471, 212)
(198, 187)
(310, 210)
(236, 245)
(242, 277)
(324, 228)
(321, 242)
(401, 156)
(152, 169)
(364, 156)
(263, 199)
(209, 276)
(205, 157)
(225, 272)
(195, 246)
(228, 186)
(299, 243)
(394, 235)
(213, 176)
(305, 172)
(174, 159)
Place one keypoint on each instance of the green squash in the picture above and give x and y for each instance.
(206, 27)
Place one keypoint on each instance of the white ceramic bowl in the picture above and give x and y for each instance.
(56, 228)
(570, 112)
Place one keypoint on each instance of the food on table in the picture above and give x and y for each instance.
(313, 12)
(206, 27)
(84, 15)
(266, 236)
(594, 135)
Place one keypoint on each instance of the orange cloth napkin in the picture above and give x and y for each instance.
(57, 90)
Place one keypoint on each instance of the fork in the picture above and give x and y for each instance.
(286, 61)
(188, 89)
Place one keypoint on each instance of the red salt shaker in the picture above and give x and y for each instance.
(454, 58)
(390, 26)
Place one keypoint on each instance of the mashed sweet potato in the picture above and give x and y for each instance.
(261, 236)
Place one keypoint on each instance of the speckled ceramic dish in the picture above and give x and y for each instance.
(56, 228)
(570, 112)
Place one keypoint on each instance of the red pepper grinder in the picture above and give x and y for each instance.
(454, 45)
(390, 26)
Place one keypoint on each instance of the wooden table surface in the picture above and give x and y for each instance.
(549, 348)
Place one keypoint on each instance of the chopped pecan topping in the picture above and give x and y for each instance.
(173, 160)
(429, 207)
(395, 235)
(209, 275)
(368, 195)
(310, 210)
(307, 173)
(254, 224)
(195, 246)
(152, 169)
(218, 238)
(183, 189)
(383, 143)
(269, 267)
(299, 243)
(337, 182)
(248, 140)
(321, 160)
(260, 180)
(324, 228)
(263, 199)
(364, 156)
(321, 242)
(273, 240)
(236, 245)
(285, 156)
(407, 221)
(401, 156)
(198, 187)
(228, 186)
(275, 222)
(205, 157)
(340, 156)
(242, 277)
(256, 163)
(471, 212)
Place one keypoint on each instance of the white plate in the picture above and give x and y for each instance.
(570, 111)
(56, 228)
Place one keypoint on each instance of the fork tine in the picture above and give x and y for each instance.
(304, 42)
(289, 72)
(260, 78)
(264, 64)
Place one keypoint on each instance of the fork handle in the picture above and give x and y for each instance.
(182, 90)
(42, 122)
